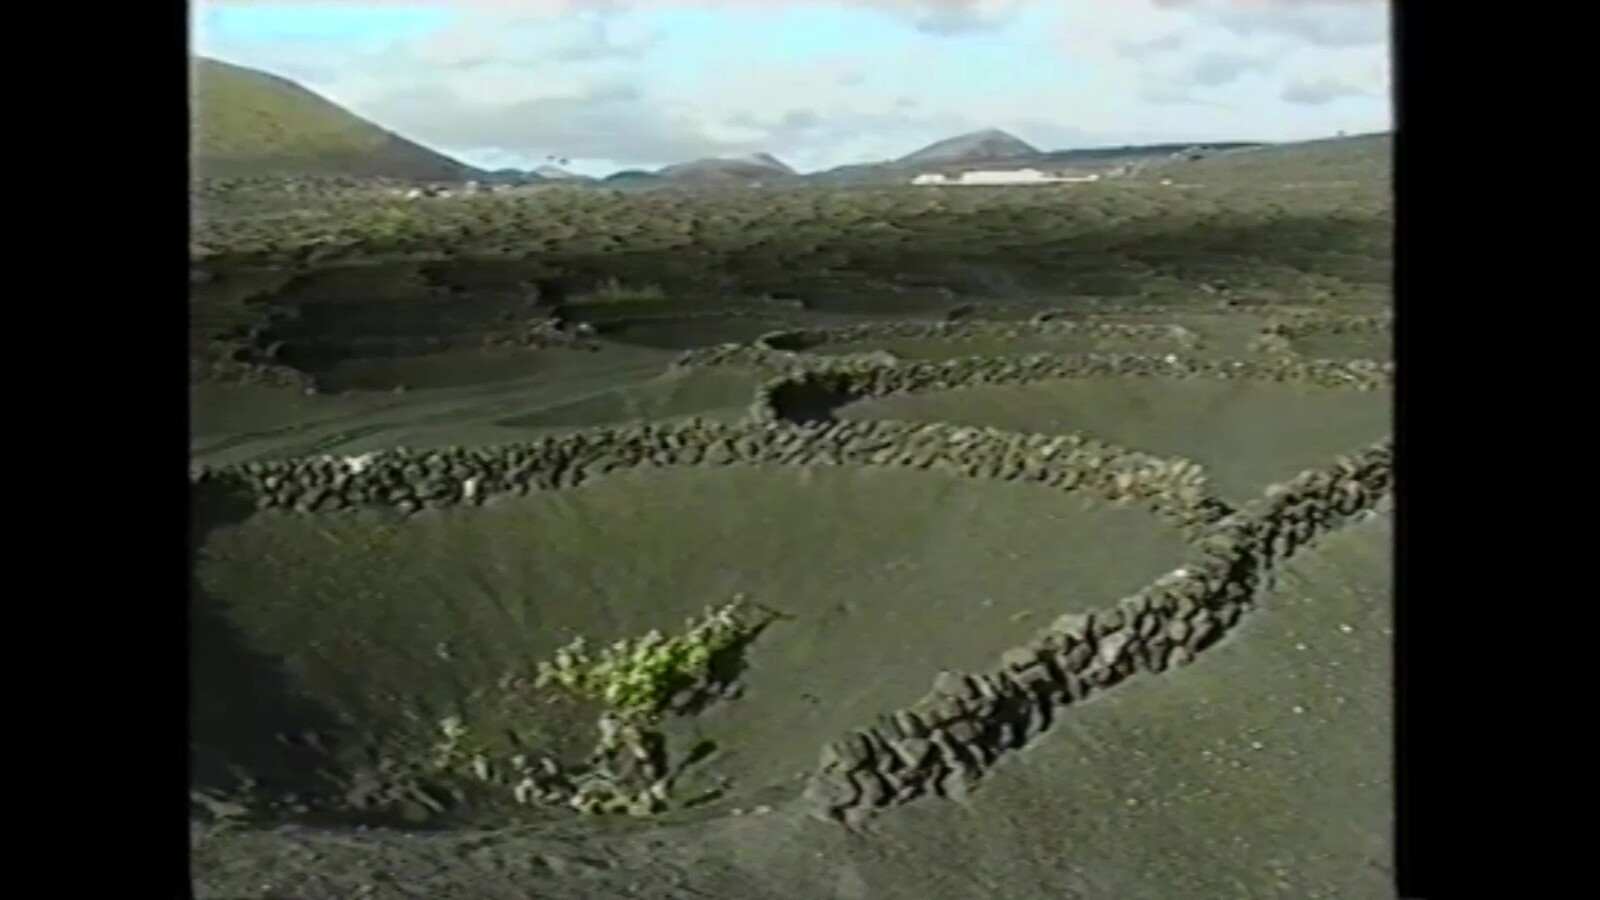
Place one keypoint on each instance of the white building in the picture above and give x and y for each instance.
(1014, 176)
(1004, 176)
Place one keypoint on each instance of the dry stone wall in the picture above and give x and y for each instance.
(945, 743)
(782, 351)
(410, 481)
(948, 741)
(1040, 326)
(777, 315)
(1206, 303)
(872, 375)
(1278, 335)
(802, 393)
(1300, 323)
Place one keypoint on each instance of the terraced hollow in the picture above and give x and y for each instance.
(1109, 621)
(1247, 434)
(383, 619)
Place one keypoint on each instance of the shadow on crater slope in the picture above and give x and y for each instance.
(249, 717)
(315, 318)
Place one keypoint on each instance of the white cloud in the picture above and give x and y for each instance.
(604, 121)
(1147, 48)
(1316, 93)
(939, 16)
(1324, 23)
(1216, 69)
(510, 83)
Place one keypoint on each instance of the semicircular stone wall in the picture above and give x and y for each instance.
(944, 743)
(413, 480)
(1039, 326)
(804, 393)
(968, 723)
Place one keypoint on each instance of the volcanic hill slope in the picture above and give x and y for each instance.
(989, 145)
(250, 123)
(1073, 518)
(993, 148)
(758, 167)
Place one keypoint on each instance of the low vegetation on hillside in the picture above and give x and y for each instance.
(250, 123)
(1273, 225)
(1223, 205)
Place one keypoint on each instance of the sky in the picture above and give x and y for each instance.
(625, 84)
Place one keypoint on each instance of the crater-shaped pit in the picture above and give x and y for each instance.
(1246, 433)
(387, 625)
(235, 423)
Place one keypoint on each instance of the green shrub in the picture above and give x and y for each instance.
(636, 677)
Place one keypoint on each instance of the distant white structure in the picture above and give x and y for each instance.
(1005, 176)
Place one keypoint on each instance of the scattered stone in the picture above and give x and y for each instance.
(956, 783)
(964, 730)
(915, 752)
(1205, 629)
(1075, 659)
(950, 684)
(875, 791)
(858, 749)
(1148, 625)
(1178, 630)
(1073, 625)
(909, 725)
(831, 791)
(1112, 645)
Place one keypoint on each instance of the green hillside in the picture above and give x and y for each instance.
(1357, 159)
(249, 123)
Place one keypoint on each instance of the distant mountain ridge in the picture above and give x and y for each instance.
(995, 149)
(988, 145)
(249, 123)
(757, 167)
(633, 179)
(556, 173)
